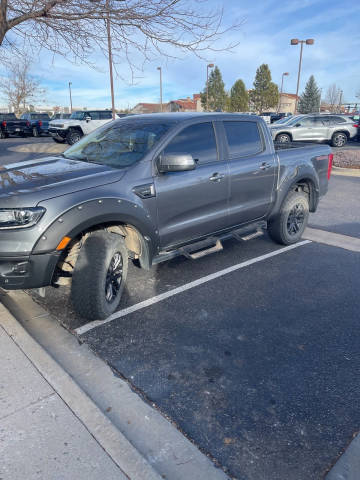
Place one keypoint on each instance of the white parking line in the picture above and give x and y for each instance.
(163, 296)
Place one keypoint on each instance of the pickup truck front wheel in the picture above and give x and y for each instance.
(73, 136)
(289, 225)
(99, 275)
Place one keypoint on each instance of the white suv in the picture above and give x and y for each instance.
(80, 123)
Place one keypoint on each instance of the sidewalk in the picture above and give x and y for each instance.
(40, 437)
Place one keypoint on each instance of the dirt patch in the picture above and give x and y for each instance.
(40, 148)
(347, 159)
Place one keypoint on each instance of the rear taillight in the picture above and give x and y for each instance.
(356, 125)
(40, 123)
(28, 123)
(3, 123)
(330, 163)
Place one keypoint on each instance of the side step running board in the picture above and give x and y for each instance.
(201, 249)
(250, 236)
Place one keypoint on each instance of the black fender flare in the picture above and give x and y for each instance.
(101, 212)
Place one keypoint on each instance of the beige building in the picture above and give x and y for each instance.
(287, 103)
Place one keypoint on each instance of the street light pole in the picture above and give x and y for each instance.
(281, 89)
(70, 83)
(210, 65)
(161, 102)
(295, 41)
(110, 59)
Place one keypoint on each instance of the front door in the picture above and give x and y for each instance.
(192, 204)
(252, 172)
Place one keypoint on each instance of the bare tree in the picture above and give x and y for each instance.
(18, 88)
(332, 97)
(75, 28)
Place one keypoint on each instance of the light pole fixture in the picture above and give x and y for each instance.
(281, 89)
(161, 102)
(70, 83)
(295, 41)
(210, 65)
(108, 29)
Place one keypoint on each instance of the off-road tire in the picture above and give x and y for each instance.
(283, 138)
(73, 136)
(88, 293)
(339, 139)
(35, 132)
(279, 227)
(56, 140)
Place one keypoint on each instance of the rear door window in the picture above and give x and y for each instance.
(106, 115)
(197, 140)
(243, 138)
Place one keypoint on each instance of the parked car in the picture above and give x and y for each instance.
(335, 129)
(11, 125)
(79, 124)
(58, 116)
(148, 188)
(39, 122)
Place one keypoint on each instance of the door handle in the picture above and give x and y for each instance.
(265, 166)
(216, 177)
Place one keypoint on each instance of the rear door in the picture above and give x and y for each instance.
(252, 172)
(193, 203)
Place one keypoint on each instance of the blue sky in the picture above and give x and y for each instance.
(264, 37)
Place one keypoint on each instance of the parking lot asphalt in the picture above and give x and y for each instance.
(259, 366)
(256, 367)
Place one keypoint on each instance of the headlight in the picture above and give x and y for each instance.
(20, 217)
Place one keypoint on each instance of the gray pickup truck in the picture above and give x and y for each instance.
(147, 188)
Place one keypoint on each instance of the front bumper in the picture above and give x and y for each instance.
(57, 133)
(28, 271)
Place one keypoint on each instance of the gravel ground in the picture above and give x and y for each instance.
(347, 159)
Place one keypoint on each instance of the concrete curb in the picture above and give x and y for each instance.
(122, 452)
(347, 172)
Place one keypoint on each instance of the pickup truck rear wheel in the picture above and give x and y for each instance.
(289, 225)
(339, 139)
(73, 136)
(2, 135)
(99, 275)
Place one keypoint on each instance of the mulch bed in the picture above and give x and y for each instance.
(347, 159)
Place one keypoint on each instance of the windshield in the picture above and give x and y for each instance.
(40, 116)
(118, 144)
(77, 115)
(290, 121)
(283, 120)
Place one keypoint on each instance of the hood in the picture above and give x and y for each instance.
(63, 121)
(26, 184)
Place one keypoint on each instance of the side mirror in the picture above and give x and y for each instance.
(87, 119)
(179, 162)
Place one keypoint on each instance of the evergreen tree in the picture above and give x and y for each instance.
(265, 94)
(216, 89)
(239, 98)
(309, 101)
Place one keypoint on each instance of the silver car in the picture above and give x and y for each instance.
(335, 129)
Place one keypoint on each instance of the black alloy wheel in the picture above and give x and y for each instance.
(114, 277)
